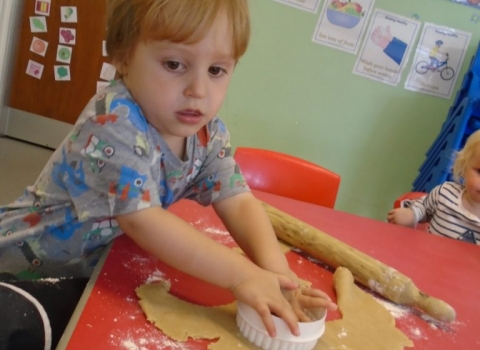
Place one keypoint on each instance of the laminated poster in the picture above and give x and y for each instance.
(473, 3)
(386, 47)
(342, 23)
(306, 5)
(438, 59)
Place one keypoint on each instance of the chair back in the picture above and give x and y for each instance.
(287, 176)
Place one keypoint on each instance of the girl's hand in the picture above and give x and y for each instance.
(401, 216)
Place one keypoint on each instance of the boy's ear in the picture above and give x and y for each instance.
(120, 66)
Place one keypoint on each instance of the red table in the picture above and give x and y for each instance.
(109, 317)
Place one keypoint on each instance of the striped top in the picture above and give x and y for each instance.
(447, 216)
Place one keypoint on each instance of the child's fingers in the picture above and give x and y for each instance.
(286, 282)
(313, 292)
(289, 317)
(310, 298)
(266, 316)
(302, 316)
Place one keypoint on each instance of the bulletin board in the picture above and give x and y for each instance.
(47, 96)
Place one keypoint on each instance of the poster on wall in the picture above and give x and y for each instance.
(473, 3)
(306, 5)
(387, 46)
(438, 59)
(342, 23)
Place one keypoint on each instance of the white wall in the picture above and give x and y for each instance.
(9, 14)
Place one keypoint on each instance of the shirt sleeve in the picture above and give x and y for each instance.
(424, 208)
(101, 167)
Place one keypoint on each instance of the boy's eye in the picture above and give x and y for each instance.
(172, 65)
(215, 71)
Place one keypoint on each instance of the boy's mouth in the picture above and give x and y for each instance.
(189, 116)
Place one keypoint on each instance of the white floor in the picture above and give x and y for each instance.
(20, 164)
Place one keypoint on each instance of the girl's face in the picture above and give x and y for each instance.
(181, 87)
(472, 179)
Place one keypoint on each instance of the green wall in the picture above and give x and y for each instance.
(294, 96)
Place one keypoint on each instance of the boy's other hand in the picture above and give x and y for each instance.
(304, 298)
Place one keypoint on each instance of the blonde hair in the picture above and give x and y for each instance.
(179, 21)
(466, 155)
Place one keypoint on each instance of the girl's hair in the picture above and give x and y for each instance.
(465, 156)
(179, 21)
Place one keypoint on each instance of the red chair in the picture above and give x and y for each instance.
(411, 196)
(287, 176)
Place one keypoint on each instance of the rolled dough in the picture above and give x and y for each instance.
(365, 323)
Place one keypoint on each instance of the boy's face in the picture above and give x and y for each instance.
(181, 87)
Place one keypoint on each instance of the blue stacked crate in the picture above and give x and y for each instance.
(462, 120)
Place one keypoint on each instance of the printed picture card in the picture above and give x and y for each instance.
(438, 60)
(64, 54)
(42, 7)
(68, 14)
(342, 24)
(386, 47)
(102, 85)
(35, 69)
(306, 5)
(67, 36)
(108, 71)
(62, 72)
(104, 48)
(38, 24)
(38, 46)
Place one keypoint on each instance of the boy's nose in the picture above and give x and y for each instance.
(196, 86)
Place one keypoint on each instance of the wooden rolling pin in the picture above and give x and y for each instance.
(366, 270)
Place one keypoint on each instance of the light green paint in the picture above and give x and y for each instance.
(292, 95)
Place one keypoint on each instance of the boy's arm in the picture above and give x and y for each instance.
(178, 244)
(248, 223)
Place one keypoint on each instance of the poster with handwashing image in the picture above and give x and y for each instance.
(438, 59)
(386, 47)
(306, 5)
(342, 23)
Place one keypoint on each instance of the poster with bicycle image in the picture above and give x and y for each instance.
(438, 60)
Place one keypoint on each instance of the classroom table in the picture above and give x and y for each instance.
(108, 315)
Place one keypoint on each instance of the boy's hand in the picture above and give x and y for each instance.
(304, 298)
(263, 293)
(270, 293)
(401, 216)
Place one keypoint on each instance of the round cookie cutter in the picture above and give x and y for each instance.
(251, 326)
